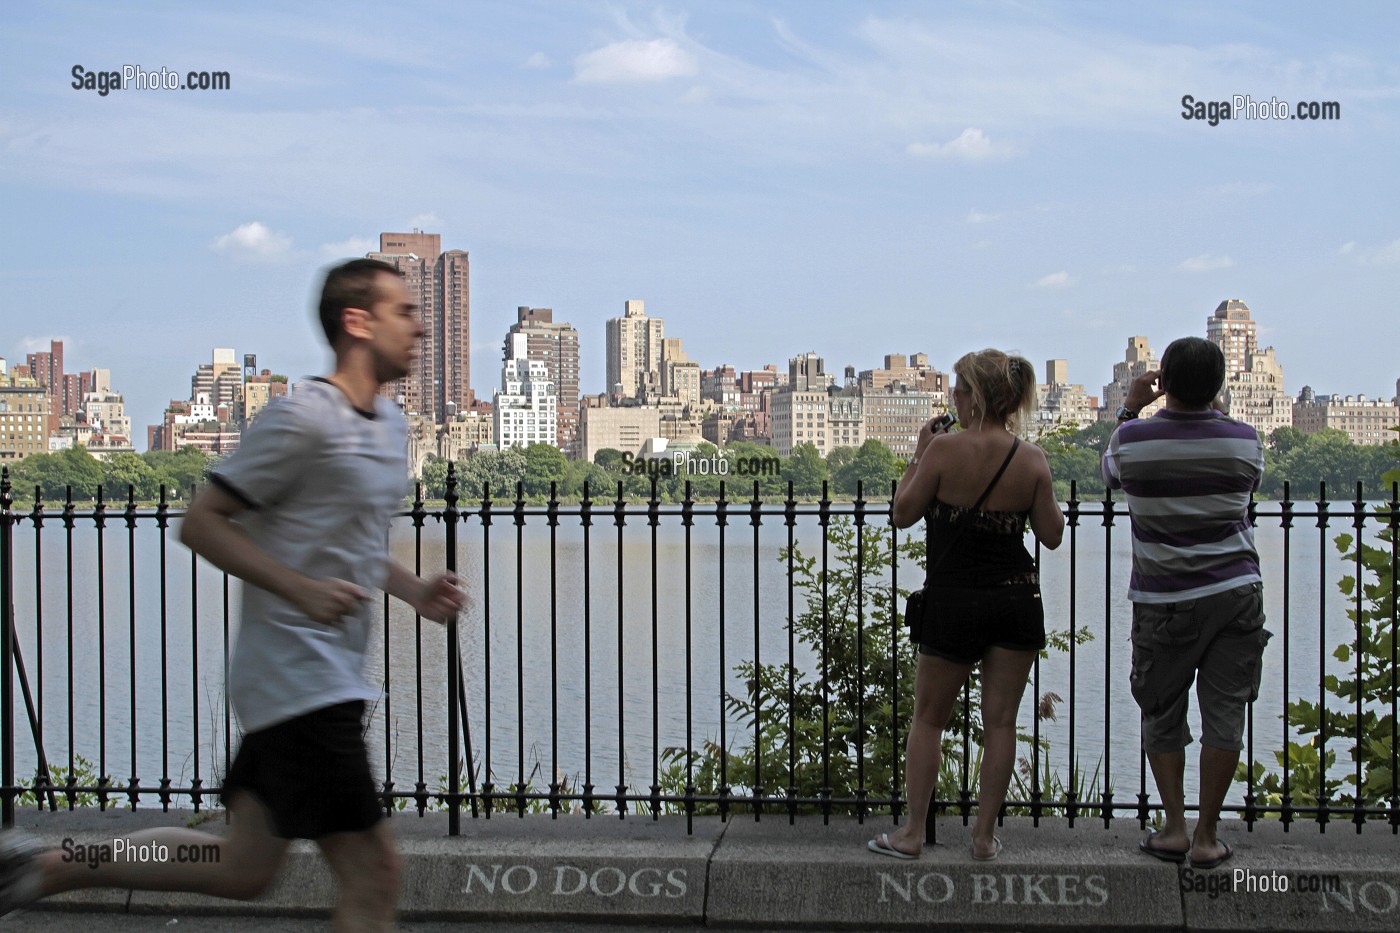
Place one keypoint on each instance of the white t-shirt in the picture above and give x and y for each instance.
(322, 481)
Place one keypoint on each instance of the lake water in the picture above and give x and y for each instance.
(581, 683)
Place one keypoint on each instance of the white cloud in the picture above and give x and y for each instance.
(538, 60)
(1346, 248)
(354, 246)
(255, 242)
(1206, 263)
(633, 61)
(1387, 255)
(978, 217)
(971, 145)
(428, 223)
(1054, 280)
(42, 345)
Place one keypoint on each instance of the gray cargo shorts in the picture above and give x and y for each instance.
(1217, 641)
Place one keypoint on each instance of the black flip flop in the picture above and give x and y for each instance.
(1214, 862)
(1165, 855)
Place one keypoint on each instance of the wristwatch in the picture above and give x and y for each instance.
(1125, 413)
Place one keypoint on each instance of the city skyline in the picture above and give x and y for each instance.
(857, 180)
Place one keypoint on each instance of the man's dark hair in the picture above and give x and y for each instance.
(1193, 370)
(349, 285)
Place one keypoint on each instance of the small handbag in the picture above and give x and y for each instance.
(916, 606)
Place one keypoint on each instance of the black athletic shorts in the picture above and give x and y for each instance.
(311, 771)
(960, 624)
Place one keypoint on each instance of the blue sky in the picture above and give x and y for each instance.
(852, 178)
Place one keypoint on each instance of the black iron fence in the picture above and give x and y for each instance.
(739, 655)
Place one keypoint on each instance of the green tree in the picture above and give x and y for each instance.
(874, 465)
(434, 478)
(609, 460)
(806, 470)
(544, 464)
(833, 727)
(55, 473)
(125, 471)
(179, 470)
(1366, 738)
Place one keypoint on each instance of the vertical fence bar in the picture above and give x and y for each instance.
(420, 786)
(860, 650)
(8, 641)
(1359, 523)
(586, 518)
(1286, 511)
(1106, 794)
(687, 521)
(100, 523)
(1394, 657)
(756, 520)
(487, 784)
(454, 782)
(620, 520)
(519, 517)
(722, 521)
(194, 673)
(653, 520)
(1072, 761)
(1323, 801)
(790, 519)
(69, 520)
(163, 523)
(1249, 811)
(896, 772)
(42, 776)
(129, 517)
(824, 516)
(552, 514)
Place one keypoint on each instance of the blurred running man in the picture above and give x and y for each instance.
(301, 514)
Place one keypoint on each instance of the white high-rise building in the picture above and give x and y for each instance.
(526, 407)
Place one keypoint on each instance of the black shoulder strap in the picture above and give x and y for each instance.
(1015, 442)
(962, 523)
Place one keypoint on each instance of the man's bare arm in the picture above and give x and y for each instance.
(209, 530)
(437, 598)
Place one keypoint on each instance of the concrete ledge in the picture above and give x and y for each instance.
(805, 876)
(771, 874)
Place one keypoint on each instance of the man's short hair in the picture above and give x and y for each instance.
(1193, 370)
(349, 285)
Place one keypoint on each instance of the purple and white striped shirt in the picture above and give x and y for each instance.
(1188, 477)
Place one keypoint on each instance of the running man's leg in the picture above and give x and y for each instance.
(367, 866)
(242, 866)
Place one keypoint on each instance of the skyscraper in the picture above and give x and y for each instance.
(525, 408)
(440, 382)
(1137, 360)
(634, 352)
(1232, 329)
(555, 344)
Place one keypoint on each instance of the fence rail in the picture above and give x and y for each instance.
(600, 591)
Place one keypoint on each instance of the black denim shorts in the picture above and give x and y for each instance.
(960, 624)
(311, 772)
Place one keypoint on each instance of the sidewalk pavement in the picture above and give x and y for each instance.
(639, 871)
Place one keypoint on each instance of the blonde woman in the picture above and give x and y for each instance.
(976, 490)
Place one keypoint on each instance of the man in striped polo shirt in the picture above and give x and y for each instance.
(1198, 613)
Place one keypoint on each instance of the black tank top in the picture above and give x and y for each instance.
(991, 550)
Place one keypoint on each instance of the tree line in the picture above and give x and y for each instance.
(1302, 460)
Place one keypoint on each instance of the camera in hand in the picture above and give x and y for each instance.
(943, 422)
